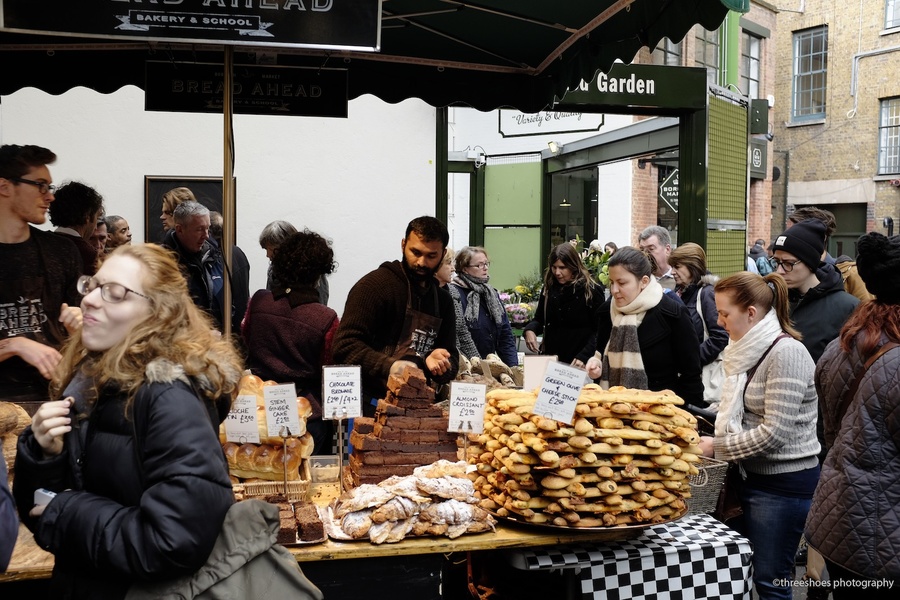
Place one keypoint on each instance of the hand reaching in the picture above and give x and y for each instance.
(594, 367)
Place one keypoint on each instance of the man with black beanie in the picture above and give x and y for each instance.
(819, 304)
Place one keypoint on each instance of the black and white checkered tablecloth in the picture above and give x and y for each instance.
(695, 557)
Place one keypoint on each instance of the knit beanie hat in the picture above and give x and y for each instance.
(805, 240)
(878, 263)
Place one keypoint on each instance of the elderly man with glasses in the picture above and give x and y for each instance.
(38, 274)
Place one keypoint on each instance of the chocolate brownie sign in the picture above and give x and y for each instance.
(341, 392)
(325, 24)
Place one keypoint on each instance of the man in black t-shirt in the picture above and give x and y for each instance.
(39, 303)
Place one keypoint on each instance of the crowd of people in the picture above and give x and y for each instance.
(125, 355)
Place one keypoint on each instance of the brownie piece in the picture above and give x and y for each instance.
(287, 528)
(309, 525)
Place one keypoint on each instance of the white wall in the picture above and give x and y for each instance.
(470, 128)
(357, 181)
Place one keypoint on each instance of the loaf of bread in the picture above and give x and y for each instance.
(251, 385)
(265, 461)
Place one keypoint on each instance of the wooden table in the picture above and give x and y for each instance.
(431, 568)
(31, 562)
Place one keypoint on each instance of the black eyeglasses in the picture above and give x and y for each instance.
(481, 265)
(110, 292)
(787, 265)
(42, 186)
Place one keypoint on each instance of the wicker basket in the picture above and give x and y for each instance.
(296, 490)
(706, 485)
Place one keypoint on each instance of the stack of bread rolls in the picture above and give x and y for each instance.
(272, 458)
(13, 420)
(625, 459)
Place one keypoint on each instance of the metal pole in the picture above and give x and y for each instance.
(229, 210)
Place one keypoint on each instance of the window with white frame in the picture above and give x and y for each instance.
(891, 14)
(706, 53)
(750, 60)
(667, 53)
(810, 74)
(889, 137)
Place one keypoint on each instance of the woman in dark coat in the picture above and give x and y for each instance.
(484, 314)
(645, 336)
(129, 441)
(568, 310)
(856, 507)
(696, 288)
(289, 332)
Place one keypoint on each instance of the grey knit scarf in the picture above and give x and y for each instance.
(479, 291)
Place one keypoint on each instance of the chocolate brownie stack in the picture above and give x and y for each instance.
(408, 431)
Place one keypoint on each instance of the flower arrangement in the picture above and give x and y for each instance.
(519, 313)
(596, 260)
(520, 302)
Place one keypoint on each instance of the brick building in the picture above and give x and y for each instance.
(753, 55)
(837, 114)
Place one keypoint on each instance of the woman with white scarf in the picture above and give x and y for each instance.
(766, 423)
(645, 337)
(481, 309)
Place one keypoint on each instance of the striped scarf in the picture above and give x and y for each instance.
(622, 361)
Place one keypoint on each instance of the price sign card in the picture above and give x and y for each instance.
(559, 392)
(281, 409)
(534, 366)
(341, 392)
(241, 426)
(466, 407)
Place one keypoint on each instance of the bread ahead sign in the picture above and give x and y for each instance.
(325, 24)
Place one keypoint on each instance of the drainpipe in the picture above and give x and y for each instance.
(854, 72)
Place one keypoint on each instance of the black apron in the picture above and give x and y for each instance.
(22, 314)
(419, 332)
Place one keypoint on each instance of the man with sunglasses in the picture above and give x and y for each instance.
(39, 302)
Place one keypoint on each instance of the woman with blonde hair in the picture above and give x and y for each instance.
(479, 303)
(129, 441)
(694, 284)
(170, 202)
(568, 309)
(766, 423)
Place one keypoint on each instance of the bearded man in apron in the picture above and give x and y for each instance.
(397, 316)
(39, 304)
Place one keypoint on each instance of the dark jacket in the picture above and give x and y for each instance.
(855, 512)
(669, 348)
(373, 319)
(9, 522)
(822, 311)
(141, 498)
(204, 271)
(87, 252)
(289, 337)
(709, 315)
(489, 337)
(568, 322)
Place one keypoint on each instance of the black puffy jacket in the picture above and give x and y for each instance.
(138, 499)
(822, 311)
